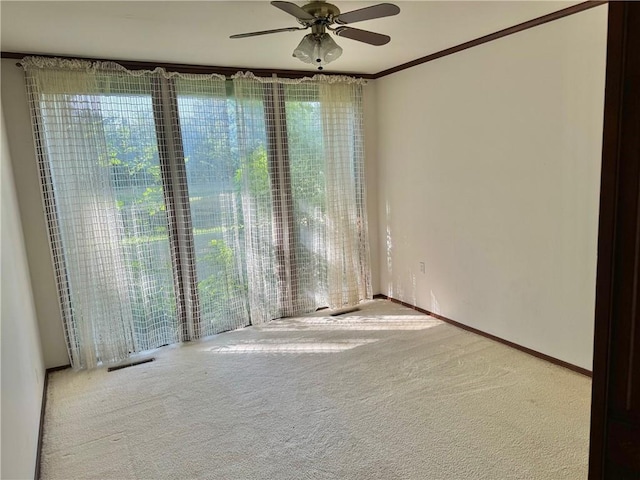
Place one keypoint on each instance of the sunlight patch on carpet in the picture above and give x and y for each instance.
(304, 346)
(356, 323)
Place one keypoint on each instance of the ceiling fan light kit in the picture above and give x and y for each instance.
(317, 47)
(317, 50)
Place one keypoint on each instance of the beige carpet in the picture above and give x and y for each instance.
(384, 393)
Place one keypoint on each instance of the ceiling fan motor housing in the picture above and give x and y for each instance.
(323, 12)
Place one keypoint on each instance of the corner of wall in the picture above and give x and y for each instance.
(371, 177)
(22, 154)
(23, 370)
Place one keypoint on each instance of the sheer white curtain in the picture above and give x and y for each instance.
(86, 216)
(180, 206)
(347, 246)
(257, 198)
(318, 242)
(211, 189)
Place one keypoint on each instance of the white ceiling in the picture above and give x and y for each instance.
(198, 32)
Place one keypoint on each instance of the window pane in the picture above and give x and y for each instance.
(105, 174)
(133, 159)
(305, 146)
(213, 175)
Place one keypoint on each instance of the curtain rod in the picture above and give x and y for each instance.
(186, 68)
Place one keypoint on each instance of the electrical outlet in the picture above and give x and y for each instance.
(421, 267)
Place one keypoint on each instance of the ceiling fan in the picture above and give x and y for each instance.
(318, 47)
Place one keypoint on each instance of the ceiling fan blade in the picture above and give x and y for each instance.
(365, 36)
(293, 9)
(266, 32)
(368, 13)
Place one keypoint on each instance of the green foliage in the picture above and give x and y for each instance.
(304, 134)
(222, 285)
(152, 198)
(220, 256)
(209, 144)
(132, 157)
(254, 173)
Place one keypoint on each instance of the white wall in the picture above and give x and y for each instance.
(22, 364)
(489, 163)
(25, 172)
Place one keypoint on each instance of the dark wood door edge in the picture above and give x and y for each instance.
(565, 12)
(615, 406)
(529, 351)
(604, 285)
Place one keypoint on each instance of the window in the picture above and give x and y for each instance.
(180, 206)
